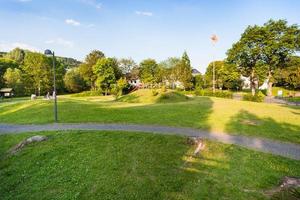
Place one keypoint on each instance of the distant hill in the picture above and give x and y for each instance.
(69, 62)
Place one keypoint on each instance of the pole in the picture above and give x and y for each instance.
(214, 82)
(54, 88)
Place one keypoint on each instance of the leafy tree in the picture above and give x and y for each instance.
(279, 43)
(105, 72)
(170, 70)
(86, 68)
(126, 65)
(184, 70)
(199, 82)
(73, 81)
(4, 65)
(37, 69)
(265, 48)
(227, 75)
(149, 71)
(246, 54)
(289, 76)
(13, 79)
(17, 55)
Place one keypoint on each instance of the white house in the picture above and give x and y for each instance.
(246, 83)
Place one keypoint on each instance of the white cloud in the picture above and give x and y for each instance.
(6, 46)
(144, 13)
(93, 3)
(61, 41)
(72, 22)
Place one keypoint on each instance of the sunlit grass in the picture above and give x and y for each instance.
(123, 165)
(212, 114)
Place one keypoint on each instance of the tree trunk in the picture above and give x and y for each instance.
(270, 84)
(252, 83)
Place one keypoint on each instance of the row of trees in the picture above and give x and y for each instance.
(29, 72)
(98, 72)
(263, 52)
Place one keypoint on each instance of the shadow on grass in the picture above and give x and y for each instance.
(247, 123)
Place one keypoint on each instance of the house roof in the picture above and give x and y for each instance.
(6, 90)
(195, 71)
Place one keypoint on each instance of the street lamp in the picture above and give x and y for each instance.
(51, 53)
(214, 40)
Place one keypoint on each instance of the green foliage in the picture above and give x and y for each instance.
(154, 92)
(258, 97)
(73, 81)
(126, 65)
(17, 55)
(199, 82)
(217, 93)
(13, 79)
(163, 89)
(185, 71)
(150, 71)
(4, 65)
(86, 68)
(38, 73)
(227, 76)
(104, 69)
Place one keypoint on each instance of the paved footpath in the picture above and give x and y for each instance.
(265, 145)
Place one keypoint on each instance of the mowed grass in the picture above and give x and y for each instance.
(272, 121)
(123, 165)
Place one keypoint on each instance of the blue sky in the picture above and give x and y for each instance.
(138, 29)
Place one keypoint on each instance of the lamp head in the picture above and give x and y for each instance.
(48, 52)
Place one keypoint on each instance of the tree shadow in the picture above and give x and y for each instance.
(225, 171)
(247, 123)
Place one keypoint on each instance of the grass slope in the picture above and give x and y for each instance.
(213, 114)
(153, 96)
(122, 165)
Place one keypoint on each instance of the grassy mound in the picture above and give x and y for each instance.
(123, 165)
(153, 96)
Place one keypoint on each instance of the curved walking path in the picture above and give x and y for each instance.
(265, 145)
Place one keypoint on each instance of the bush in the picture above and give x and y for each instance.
(258, 97)
(163, 89)
(89, 93)
(154, 93)
(218, 93)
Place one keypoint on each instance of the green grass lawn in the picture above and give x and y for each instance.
(213, 114)
(123, 165)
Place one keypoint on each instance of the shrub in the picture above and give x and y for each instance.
(258, 97)
(154, 93)
(218, 93)
(163, 89)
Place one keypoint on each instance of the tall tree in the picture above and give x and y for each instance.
(86, 68)
(17, 55)
(13, 79)
(149, 72)
(185, 71)
(38, 74)
(104, 69)
(4, 65)
(227, 75)
(126, 65)
(246, 54)
(280, 42)
(73, 81)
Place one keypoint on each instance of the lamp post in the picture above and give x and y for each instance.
(214, 40)
(51, 53)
